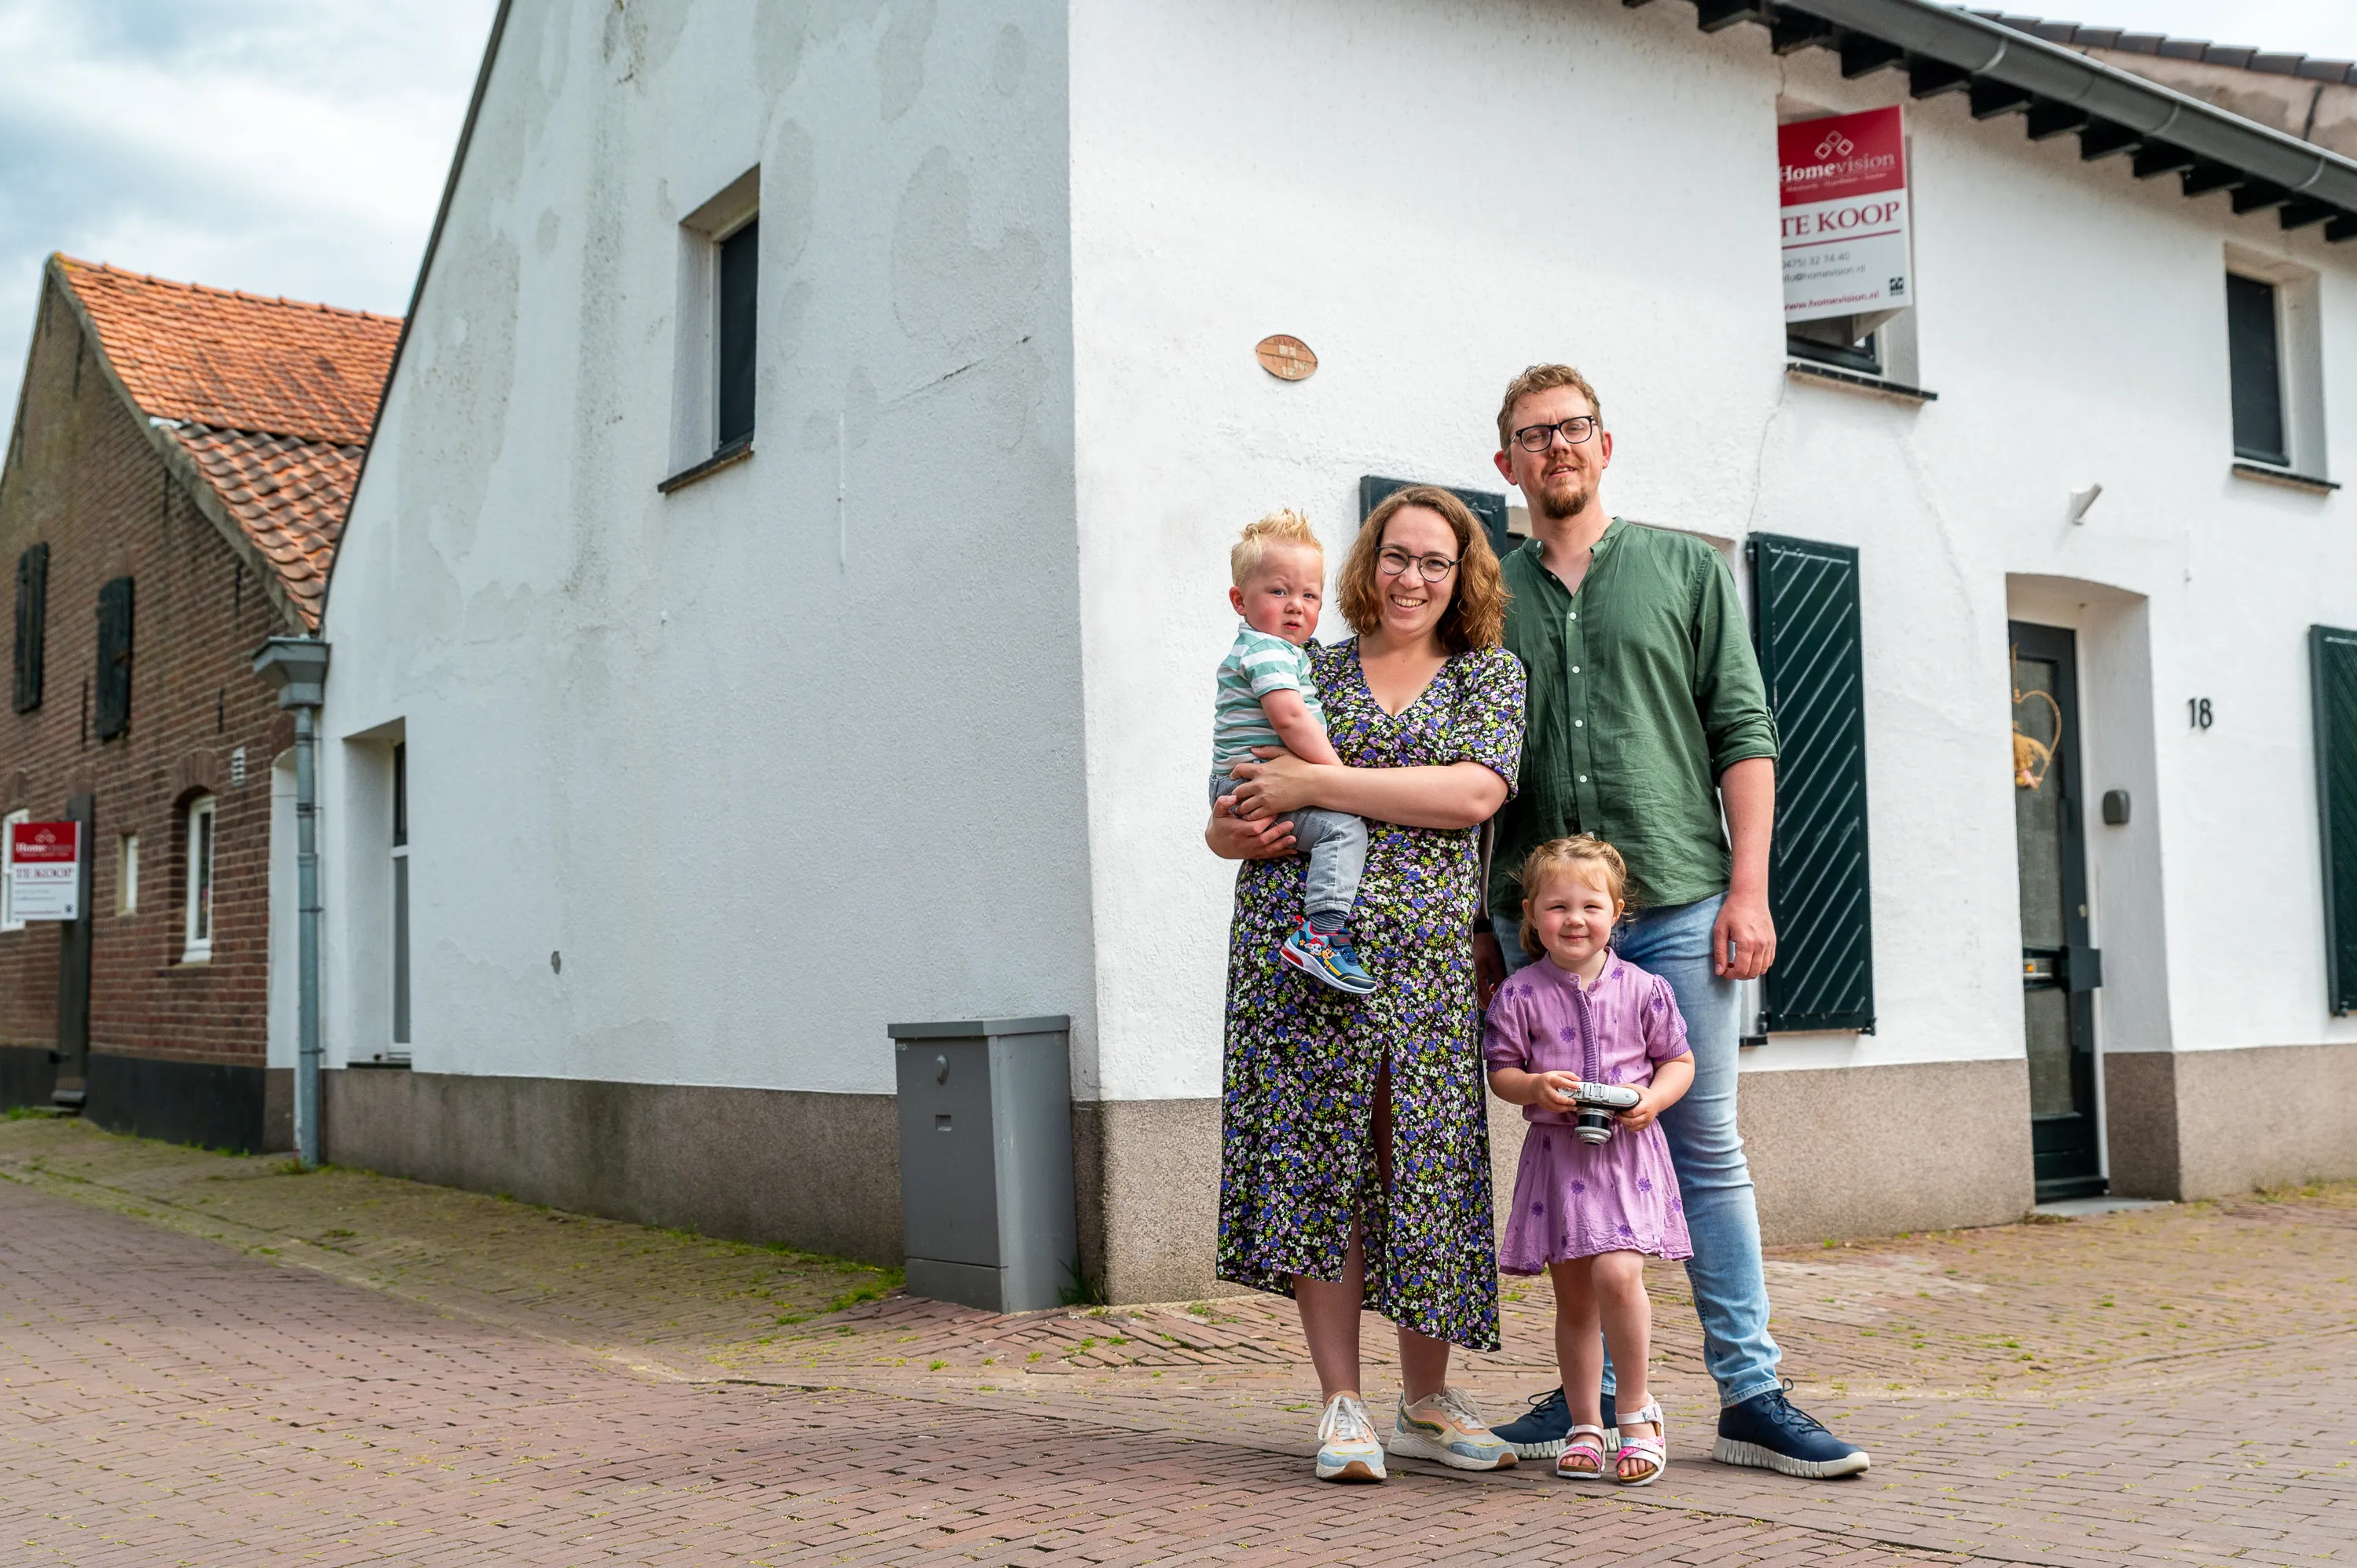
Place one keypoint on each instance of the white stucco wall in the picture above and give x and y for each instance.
(1436, 195)
(768, 773)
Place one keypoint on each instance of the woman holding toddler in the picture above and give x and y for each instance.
(1355, 1149)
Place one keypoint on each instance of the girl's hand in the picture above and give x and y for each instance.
(1278, 783)
(1555, 1091)
(1642, 1114)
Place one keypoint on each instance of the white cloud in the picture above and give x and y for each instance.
(278, 146)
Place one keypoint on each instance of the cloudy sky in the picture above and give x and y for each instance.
(298, 147)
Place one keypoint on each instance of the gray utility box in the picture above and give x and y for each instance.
(987, 1160)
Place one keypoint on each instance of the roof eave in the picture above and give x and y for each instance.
(1932, 36)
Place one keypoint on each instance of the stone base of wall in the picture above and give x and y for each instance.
(27, 1076)
(2187, 1124)
(1835, 1152)
(821, 1172)
(1841, 1152)
(209, 1104)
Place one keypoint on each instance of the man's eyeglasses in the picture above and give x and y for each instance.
(1539, 438)
(1431, 568)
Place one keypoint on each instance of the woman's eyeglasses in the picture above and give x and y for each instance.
(1431, 568)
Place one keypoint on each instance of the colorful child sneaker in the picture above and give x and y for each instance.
(1768, 1432)
(1309, 952)
(1443, 1426)
(1346, 1447)
(1540, 1431)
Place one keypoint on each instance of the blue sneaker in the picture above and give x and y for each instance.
(1540, 1431)
(1768, 1432)
(1314, 955)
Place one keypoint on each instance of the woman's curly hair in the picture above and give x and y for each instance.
(1476, 615)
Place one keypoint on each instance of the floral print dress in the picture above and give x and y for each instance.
(1297, 1158)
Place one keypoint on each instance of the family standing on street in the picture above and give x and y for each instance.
(1594, 696)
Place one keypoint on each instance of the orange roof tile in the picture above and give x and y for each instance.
(273, 399)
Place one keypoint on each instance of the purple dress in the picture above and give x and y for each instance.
(1572, 1198)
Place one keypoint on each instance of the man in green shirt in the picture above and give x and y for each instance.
(1646, 718)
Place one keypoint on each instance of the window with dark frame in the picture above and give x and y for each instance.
(401, 893)
(32, 616)
(1835, 341)
(113, 695)
(2255, 363)
(739, 290)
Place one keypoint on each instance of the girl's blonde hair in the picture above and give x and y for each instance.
(1587, 856)
(1283, 526)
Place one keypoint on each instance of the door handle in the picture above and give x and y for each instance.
(2083, 968)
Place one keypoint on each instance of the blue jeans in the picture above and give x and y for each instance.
(1729, 1284)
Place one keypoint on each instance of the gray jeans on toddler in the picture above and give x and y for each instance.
(1336, 843)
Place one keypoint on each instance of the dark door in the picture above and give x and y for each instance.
(2059, 972)
(73, 969)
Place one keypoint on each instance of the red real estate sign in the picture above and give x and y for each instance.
(45, 871)
(1845, 215)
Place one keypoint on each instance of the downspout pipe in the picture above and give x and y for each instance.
(297, 667)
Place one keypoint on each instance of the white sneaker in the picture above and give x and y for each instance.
(1348, 1449)
(1445, 1428)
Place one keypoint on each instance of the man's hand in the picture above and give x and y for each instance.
(1745, 925)
(1231, 838)
(1488, 967)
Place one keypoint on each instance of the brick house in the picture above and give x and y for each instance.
(177, 476)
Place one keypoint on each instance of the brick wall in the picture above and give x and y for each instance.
(82, 477)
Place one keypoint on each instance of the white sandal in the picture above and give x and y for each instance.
(1654, 1449)
(1591, 1445)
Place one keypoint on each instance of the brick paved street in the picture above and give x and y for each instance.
(207, 1360)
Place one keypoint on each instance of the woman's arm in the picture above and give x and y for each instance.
(1455, 795)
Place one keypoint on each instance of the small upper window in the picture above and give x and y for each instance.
(8, 921)
(114, 659)
(126, 875)
(32, 615)
(198, 947)
(2255, 361)
(739, 288)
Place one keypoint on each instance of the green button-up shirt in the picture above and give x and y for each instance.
(1643, 690)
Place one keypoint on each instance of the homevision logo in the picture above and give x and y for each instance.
(1835, 145)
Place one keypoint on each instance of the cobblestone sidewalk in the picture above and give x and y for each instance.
(208, 1361)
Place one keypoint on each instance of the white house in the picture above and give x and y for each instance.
(782, 596)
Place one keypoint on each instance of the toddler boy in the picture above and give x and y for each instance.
(1267, 697)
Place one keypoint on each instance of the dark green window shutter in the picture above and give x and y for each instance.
(32, 613)
(2332, 662)
(1805, 603)
(113, 658)
(1488, 506)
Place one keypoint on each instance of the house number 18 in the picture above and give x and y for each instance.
(2197, 713)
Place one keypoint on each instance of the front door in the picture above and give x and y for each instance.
(2059, 970)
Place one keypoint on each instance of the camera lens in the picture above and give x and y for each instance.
(1593, 1125)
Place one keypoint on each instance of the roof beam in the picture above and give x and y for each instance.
(1715, 15)
(2343, 227)
(2300, 214)
(1930, 78)
(2051, 120)
(2159, 157)
(2256, 195)
(1991, 99)
(1862, 54)
(2202, 178)
(2101, 139)
(1792, 32)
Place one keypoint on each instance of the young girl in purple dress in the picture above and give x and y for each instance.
(1590, 1213)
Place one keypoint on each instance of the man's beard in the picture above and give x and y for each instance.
(1558, 508)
